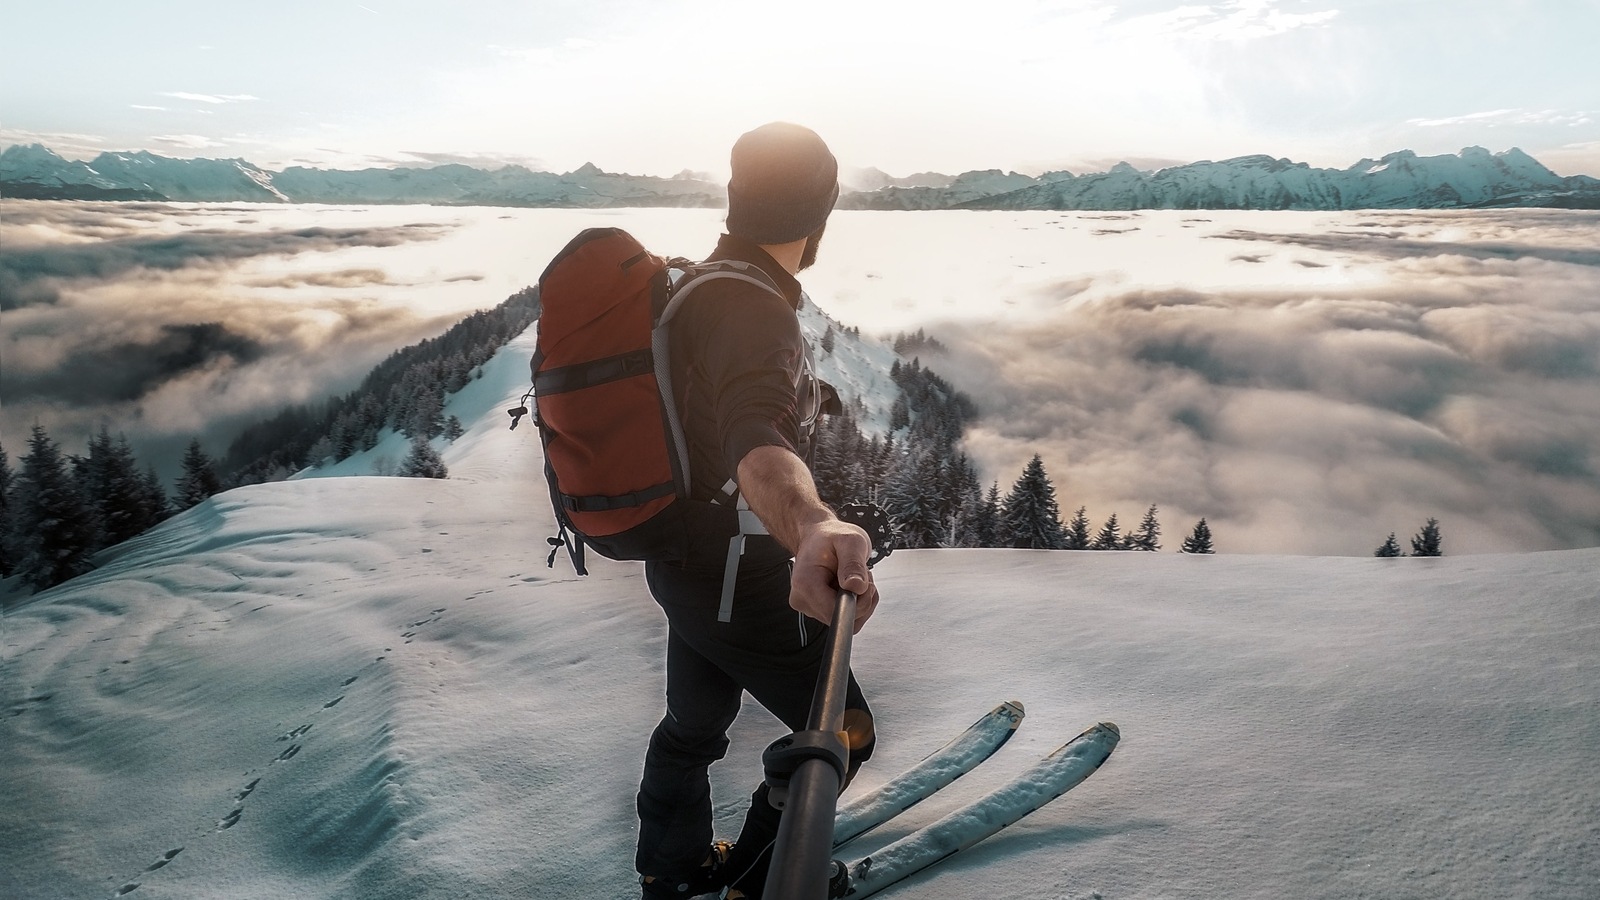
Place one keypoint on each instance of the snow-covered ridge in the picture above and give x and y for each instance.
(858, 367)
(1474, 177)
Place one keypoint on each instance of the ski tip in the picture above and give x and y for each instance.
(1112, 727)
(1015, 706)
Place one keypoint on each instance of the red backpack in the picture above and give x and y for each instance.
(615, 453)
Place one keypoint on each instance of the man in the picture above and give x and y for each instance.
(742, 379)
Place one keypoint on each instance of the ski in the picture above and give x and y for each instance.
(1048, 779)
(933, 773)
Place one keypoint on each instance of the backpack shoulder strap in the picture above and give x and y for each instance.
(685, 277)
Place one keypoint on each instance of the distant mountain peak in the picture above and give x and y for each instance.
(29, 150)
(1401, 179)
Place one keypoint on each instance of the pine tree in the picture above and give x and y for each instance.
(837, 446)
(453, 429)
(881, 462)
(1427, 542)
(321, 452)
(915, 500)
(6, 478)
(1078, 530)
(1199, 540)
(423, 461)
(1148, 535)
(1110, 536)
(346, 437)
(370, 419)
(154, 506)
(827, 340)
(962, 495)
(111, 483)
(983, 524)
(52, 527)
(1389, 549)
(427, 413)
(457, 373)
(899, 414)
(199, 479)
(1032, 516)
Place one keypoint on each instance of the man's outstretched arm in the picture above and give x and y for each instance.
(829, 555)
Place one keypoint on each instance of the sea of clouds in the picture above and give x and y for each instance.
(1308, 382)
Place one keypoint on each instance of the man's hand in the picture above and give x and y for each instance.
(832, 557)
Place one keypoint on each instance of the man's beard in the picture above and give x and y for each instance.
(809, 254)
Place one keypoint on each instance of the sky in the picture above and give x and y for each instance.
(369, 688)
(659, 87)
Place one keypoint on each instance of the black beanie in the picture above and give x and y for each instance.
(784, 184)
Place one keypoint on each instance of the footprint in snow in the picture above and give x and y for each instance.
(166, 857)
(332, 703)
(18, 709)
(413, 626)
(239, 797)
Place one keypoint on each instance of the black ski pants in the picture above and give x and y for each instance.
(768, 649)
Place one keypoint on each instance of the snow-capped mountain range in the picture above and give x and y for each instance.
(34, 171)
(1474, 177)
(1401, 180)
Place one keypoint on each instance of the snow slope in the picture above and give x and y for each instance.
(373, 688)
(858, 368)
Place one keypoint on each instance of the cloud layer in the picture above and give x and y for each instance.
(1465, 384)
(168, 336)
(1307, 382)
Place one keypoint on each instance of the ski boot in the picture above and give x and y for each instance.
(708, 881)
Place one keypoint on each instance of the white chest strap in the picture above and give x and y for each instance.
(749, 523)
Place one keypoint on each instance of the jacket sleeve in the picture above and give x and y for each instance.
(746, 345)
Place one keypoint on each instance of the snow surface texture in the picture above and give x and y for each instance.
(373, 688)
